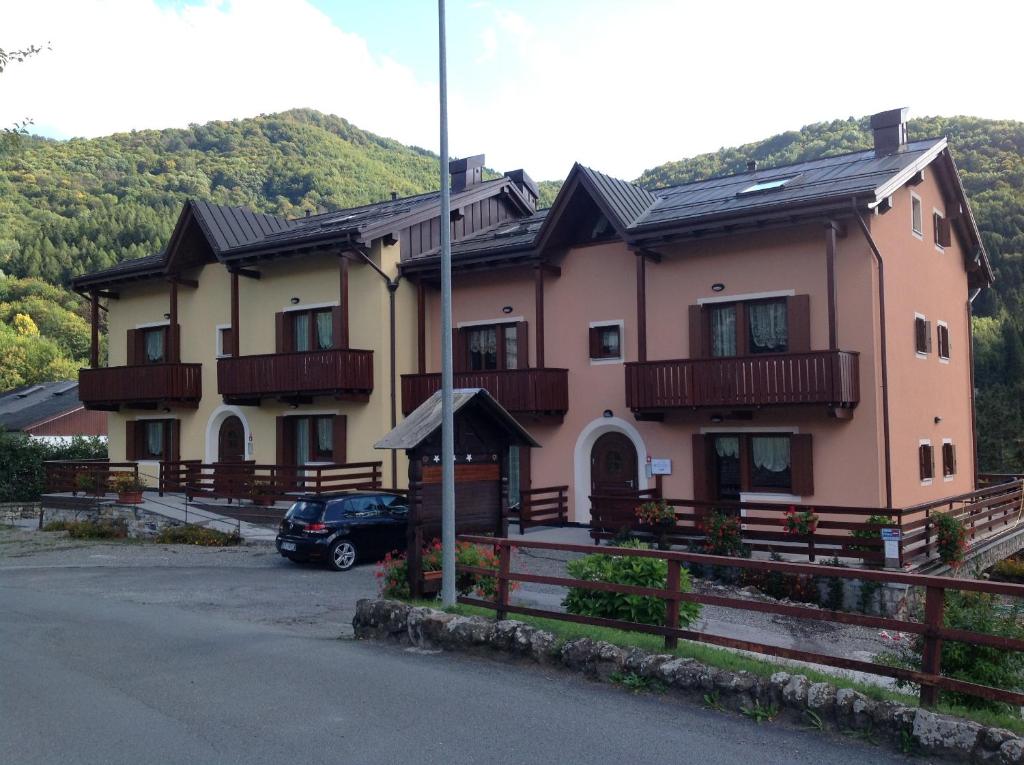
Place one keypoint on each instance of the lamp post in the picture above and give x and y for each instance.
(447, 424)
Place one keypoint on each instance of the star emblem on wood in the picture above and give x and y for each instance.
(469, 458)
(437, 458)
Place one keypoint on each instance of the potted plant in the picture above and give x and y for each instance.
(261, 492)
(659, 515)
(951, 539)
(801, 522)
(87, 483)
(128, 487)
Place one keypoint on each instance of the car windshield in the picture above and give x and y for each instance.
(305, 511)
(394, 504)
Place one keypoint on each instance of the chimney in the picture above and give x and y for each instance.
(526, 185)
(751, 165)
(394, 195)
(890, 129)
(466, 172)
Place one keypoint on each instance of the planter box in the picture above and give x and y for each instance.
(129, 497)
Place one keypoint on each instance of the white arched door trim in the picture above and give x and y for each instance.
(581, 458)
(217, 417)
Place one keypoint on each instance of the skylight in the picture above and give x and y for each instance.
(763, 186)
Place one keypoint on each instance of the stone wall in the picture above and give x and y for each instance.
(14, 511)
(140, 523)
(790, 696)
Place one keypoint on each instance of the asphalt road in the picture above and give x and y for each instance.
(141, 654)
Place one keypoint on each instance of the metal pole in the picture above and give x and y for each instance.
(447, 424)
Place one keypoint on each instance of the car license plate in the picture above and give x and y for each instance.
(290, 546)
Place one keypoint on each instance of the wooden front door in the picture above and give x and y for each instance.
(613, 464)
(231, 441)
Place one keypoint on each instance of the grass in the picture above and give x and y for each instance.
(732, 661)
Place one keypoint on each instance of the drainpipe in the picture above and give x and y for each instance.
(885, 359)
(392, 285)
(970, 361)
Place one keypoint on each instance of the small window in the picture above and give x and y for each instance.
(723, 330)
(942, 340)
(922, 335)
(154, 442)
(941, 228)
(763, 186)
(606, 342)
(225, 342)
(948, 459)
(154, 343)
(769, 332)
(770, 463)
(312, 330)
(313, 439)
(926, 462)
(917, 221)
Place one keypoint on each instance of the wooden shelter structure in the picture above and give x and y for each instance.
(484, 432)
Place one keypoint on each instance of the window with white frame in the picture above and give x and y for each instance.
(925, 461)
(916, 216)
(948, 459)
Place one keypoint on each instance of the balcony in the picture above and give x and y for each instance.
(340, 372)
(534, 392)
(143, 386)
(829, 378)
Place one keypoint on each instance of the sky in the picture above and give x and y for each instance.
(621, 86)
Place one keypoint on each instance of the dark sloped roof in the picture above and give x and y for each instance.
(426, 420)
(31, 404)
(625, 200)
(844, 176)
(228, 227)
(512, 235)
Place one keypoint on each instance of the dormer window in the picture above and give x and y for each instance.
(762, 186)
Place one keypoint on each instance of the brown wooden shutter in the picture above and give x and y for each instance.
(339, 436)
(132, 349)
(920, 335)
(131, 451)
(801, 464)
(522, 345)
(227, 342)
(460, 357)
(926, 464)
(283, 338)
(703, 467)
(339, 330)
(798, 320)
(524, 468)
(594, 342)
(282, 441)
(942, 231)
(698, 332)
(172, 448)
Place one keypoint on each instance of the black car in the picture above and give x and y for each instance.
(342, 529)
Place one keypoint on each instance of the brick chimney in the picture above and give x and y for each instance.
(890, 129)
(466, 172)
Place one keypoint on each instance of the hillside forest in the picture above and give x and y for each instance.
(72, 206)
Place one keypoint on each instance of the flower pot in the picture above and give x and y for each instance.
(263, 501)
(129, 497)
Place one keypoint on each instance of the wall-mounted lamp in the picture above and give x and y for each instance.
(716, 418)
(295, 301)
(167, 316)
(608, 413)
(717, 287)
(937, 419)
(293, 406)
(507, 309)
(167, 410)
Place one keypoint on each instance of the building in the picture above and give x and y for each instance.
(50, 411)
(252, 338)
(799, 334)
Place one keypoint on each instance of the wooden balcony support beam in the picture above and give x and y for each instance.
(421, 327)
(538, 305)
(174, 344)
(94, 330)
(831, 248)
(236, 346)
(641, 306)
(193, 283)
(343, 328)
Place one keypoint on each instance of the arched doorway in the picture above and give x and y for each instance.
(231, 440)
(613, 464)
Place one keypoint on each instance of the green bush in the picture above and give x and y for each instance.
(56, 526)
(876, 522)
(196, 535)
(642, 572)
(1009, 570)
(22, 477)
(724, 535)
(96, 529)
(951, 539)
(985, 665)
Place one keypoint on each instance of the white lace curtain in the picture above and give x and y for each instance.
(483, 341)
(325, 330)
(770, 453)
(324, 435)
(155, 346)
(155, 438)
(300, 331)
(301, 441)
(768, 330)
(727, 446)
(723, 331)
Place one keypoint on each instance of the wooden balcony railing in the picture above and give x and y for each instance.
(817, 377)
(143, 385)
(520, 391)
(340, 372)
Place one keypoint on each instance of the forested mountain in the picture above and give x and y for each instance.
(73, 206)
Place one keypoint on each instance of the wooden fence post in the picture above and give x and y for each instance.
(563, 514)
(931, 655)
(672, 602)
(504, 567)
(810, 547)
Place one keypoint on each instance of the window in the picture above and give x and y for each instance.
(154, 344)
(314, 438)
(770, 463)
(916, 216)
(484, 347)
(763, 186)
(942, 340)
(225, 341)
(606, 341)
(926, 462)
(152, 440)
(728, 464)
(749, 328)
(922, 335)
(941, 228)
(312, 330)
(948, 460)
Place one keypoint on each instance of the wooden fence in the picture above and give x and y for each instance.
(265, 483)
(763, 525)
(72, 475)
(929, 677)
(543, 507)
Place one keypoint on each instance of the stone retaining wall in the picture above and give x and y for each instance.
(140, 523)
(793, 696)
(14, 511)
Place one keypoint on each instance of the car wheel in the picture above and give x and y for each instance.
(342, 556)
